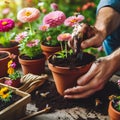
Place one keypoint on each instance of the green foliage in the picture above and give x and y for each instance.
(30, 51)
(15, 75)
(53, 33)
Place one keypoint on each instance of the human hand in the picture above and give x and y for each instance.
(91, 36)
(94, 80)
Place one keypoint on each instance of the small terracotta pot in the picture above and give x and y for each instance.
(65, 77)
(13, 50)
(49, 50)
(3, 63)
(113, 114)
(32, 66)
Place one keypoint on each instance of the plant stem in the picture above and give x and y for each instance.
(61, 46)
(6, 39)
(31, 31)
(66, 48)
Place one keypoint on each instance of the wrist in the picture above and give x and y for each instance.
(114, 59)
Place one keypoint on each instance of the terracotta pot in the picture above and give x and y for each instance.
(3, 63)
(113, 114)
(32, 66)
(13, 50)
(65, 77)
(49, 50)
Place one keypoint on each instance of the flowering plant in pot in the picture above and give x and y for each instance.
(14, 75)
(114, 106)
(6, 38)
(69, 64)
(31, 58)
(53, 24)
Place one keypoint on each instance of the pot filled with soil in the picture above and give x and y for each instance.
(66, 76)
(36, 65)
(4, 58)
(68, 65)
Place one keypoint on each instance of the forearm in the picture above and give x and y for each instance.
(107, 21)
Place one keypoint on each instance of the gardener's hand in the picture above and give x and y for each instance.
(94, 80)
(94, 37)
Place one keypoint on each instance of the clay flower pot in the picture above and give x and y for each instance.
(4, 59)
(49, 50)
(65, 77)
(32, 66)
(113, 114)
(13, 50)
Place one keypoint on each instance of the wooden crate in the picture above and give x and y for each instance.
(16, 110)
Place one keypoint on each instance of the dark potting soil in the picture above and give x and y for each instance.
(24, 57)
(14, 98)
(57, 102)
(3, 55)
(73, 61)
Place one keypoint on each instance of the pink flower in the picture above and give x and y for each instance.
(13, 65)
(21, 36)
(54, 18)
(6, 24)
(33, 43)
(54, 6)
(28, 15)
(64, 37)
(71, 21)
(44, 27)
(6, 11)
(8, 82)
(100, 48)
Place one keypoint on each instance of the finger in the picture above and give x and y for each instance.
(82, 95)
(77, 89)
(88, 43)
(85, 79)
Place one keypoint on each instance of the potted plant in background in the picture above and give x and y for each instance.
(6, 42)
(114, 106)
(12, 102)
(14, 76)
(68, 65)
(49, 30)
(52, 25)
(4, 58)
(31, 58)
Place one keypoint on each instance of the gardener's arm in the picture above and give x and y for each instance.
(95, 79)
(108, 19)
